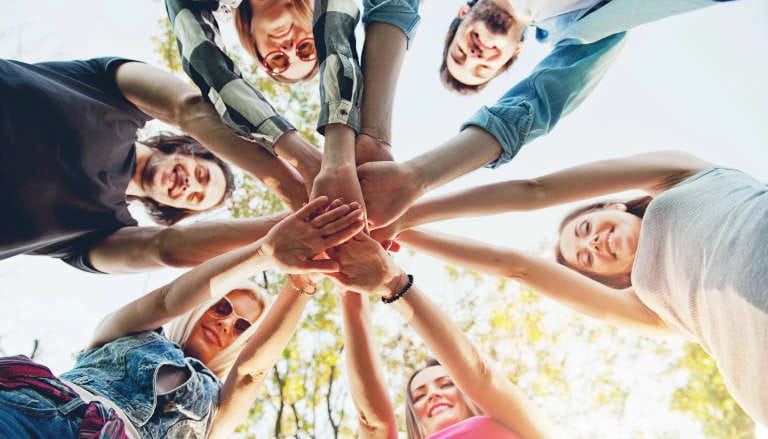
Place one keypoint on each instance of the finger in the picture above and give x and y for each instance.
(344, 235)
(308, 211)
(330, 215)
(394, 246)
(322, 266)
(343, 222)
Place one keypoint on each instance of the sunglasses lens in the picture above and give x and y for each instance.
(242, 325)
(306, 50)
(221, 309)
(276, 62)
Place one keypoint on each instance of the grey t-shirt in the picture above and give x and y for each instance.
(702, 266)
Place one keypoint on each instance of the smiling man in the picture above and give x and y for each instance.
(71, 163)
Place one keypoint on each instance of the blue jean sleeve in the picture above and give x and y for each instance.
(558, 84)
(403, 14)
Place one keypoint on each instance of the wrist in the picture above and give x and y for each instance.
(394, 285)
(339, 149)
(299, 153)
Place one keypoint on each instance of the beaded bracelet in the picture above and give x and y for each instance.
(401, 293)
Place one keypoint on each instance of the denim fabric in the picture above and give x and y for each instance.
(401, 13)
(125, 371)
(586, 43)
(26, 414)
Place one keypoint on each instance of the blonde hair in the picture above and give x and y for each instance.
(179, 329)
(413, 426)
(243, 15)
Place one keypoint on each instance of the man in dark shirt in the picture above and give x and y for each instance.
(69, 161)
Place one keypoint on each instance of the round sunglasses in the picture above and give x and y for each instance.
(277, 61)
(223, 309)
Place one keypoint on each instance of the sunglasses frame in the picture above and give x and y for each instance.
(218, 316)
(298, 44)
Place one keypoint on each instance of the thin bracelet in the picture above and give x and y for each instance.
(378, 139)
(401, 293)
(305, 293)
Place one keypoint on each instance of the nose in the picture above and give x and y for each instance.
(226, 324)
(287, 44)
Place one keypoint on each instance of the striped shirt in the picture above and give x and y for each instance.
(241, 106)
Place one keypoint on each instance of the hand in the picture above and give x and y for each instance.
(371, 149)
(366, 267)
(389, 189)
(338, 182)
(314, 228)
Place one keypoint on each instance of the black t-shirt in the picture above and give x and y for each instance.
(67, 155)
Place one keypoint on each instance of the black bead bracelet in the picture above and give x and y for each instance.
(400, 293)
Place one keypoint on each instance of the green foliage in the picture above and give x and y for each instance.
(705, 398)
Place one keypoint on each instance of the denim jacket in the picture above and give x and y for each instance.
(586, 42)
(125, 371)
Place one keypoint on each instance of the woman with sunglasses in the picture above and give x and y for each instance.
(689, 258)
(199, 379)
(466, 397)
(278, 34)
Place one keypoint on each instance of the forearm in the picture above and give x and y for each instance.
(467, 151)
(480, 381)
(383, 54)
(244, 382)
(339, 150)
(364, 371)
(464, 252)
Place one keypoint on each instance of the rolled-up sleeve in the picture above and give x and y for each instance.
(243, 108)
(341, 78)
(558, 84)
(403, 14)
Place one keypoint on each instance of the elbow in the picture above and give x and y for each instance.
(538, 195)
(187, 107)
(167, 248)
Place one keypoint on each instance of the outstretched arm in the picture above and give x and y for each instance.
(289, 246)
(164, 96)
(617, 307)
(252, 366)
(376, 417)
(652, 172)
(488, 387)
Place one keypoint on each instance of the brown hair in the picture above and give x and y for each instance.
(448, 80)
(168, 143)
(412, 424)
(635, 206)
(243, 15)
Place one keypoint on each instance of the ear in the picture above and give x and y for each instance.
(618, 206)
(463, 10)
(518, 49)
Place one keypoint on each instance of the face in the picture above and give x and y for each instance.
(437, 402)
(183, 181)
(603, 241)
(279, 29)
(485, 40)
(215, 332)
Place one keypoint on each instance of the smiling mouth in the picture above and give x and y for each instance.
(611, 244)
(212, 336)
(438, 406)
(283, 32)
(175, 181)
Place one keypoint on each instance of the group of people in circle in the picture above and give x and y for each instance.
(188, 359)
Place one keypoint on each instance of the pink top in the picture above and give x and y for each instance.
(474, 427)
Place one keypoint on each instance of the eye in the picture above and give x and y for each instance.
(447, 384)
(242, 325)
(584, 228)
(418, 397)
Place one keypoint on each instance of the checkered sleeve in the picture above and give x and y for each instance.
(243, 108)
(341, 78)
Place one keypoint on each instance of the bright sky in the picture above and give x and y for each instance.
(694, 82)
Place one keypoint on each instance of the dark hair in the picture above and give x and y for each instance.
(243, 15)
(448, 80)
(635, 206)
(412, 425)
(168, 143)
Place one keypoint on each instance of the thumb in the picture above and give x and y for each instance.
(327, 266)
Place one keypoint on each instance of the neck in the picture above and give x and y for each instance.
(135, 188)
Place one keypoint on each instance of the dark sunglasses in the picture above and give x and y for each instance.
(277, 61)
(223, 309)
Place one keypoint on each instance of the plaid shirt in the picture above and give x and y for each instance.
(341, 78)
(243, 108)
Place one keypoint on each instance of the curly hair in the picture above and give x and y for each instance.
(635, 206)
(167, 143)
